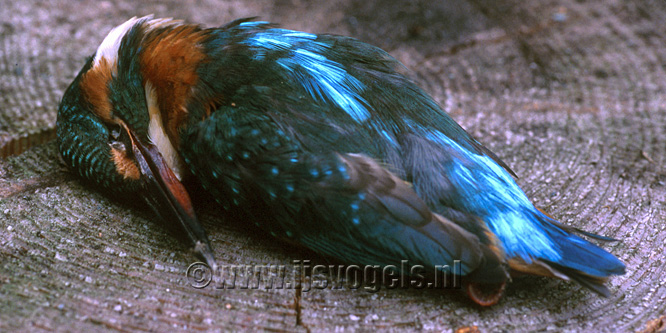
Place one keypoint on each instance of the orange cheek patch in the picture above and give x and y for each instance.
(124, 165)
(95, 88)
(169, 61)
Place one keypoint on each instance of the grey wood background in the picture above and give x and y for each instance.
(571, 94)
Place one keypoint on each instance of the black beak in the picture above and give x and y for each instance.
(168, 197)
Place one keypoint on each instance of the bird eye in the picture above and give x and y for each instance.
(119, 139)
(119, 146)
(115, 131)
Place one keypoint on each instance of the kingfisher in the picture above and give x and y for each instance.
(320, 140)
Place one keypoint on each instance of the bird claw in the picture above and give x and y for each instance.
(485, 294)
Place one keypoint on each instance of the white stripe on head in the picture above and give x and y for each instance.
(111, 43)
(162, 23)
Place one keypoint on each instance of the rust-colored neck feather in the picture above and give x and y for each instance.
(169, 62)
(95, 88)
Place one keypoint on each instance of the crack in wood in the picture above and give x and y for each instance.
(17, 145)
(297, 305)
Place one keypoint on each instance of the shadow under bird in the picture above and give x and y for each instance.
(324, 136)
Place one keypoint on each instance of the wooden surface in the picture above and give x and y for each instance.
(571, 94)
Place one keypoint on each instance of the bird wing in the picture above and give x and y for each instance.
(339, 204)
(336, 94)
(356, 85)
(335, 91)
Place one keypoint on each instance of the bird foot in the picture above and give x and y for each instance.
(485, 294)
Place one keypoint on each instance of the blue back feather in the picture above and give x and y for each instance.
(488, 190)
(325, 80)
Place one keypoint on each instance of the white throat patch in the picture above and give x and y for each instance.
(157, 135)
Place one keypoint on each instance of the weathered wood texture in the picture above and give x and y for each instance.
(571, 94)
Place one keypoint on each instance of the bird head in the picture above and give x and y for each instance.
(119, 121)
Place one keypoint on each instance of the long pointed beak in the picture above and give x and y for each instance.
(168, 198)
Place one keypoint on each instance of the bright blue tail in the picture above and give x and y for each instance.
(578, 259)
(581, 255)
